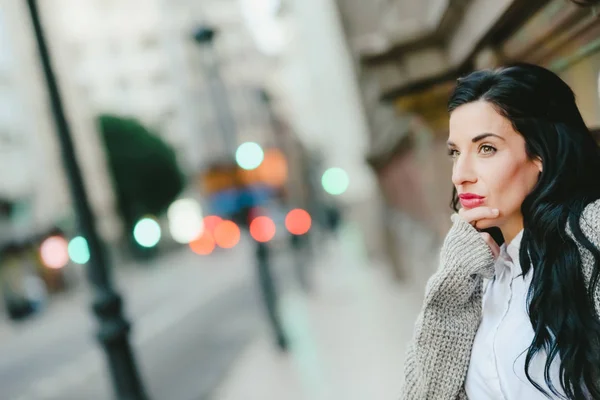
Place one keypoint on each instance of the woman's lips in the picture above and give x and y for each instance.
(471, 203)
(471, 200)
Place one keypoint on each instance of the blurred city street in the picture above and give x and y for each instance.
(191, 316)
(201, 334)
(348, 339)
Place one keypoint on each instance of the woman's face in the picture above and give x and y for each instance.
(490, 165)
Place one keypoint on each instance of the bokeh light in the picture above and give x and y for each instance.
(203, 244)
(78, 250)
(274, 169)
(211, 222)
(249, 155)
(262, 229)
(185, 220)
(147, 232)
(298, 222)
(54, 252)
(226, 234)
(335, 181)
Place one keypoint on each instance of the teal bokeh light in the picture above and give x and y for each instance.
(249, 155)
(335, 181)
(147, 232)
(79, 251)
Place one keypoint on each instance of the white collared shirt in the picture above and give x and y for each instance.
(497, 366)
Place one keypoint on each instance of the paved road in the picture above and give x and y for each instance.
(191, 315)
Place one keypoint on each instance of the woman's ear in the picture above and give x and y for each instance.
(538, 164)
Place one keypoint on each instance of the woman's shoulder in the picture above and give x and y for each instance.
(590, 221)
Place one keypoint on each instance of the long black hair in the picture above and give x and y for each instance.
(542, 108)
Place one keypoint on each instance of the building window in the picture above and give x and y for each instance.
(114, 48)
(158, 78)
(124, 83)
(86, 90)
(149, 42)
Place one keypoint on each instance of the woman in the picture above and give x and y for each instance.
(520, 321)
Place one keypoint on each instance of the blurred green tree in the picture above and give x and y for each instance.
(144, 168)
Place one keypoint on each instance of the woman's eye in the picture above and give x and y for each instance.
(486, 149)
(453, 153)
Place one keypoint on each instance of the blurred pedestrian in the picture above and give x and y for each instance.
(518, 318)
(34, 290)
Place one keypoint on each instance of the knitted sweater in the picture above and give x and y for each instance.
(439, 354)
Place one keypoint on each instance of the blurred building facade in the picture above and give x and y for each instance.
(134, 58)
(316, 86)
(408, 55)
(139, 58)
(34, 182)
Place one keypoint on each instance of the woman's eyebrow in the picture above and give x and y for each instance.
(485, 135)
(477, 138)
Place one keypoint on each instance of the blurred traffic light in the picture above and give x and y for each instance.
(262, 229)
(298, 222)
(147, 232)
(335, 181)
(78, 250)
(211, 222)
(249, 155)
(54, 252)
(203, 244)
(227, 234)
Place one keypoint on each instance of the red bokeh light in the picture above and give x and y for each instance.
(211, 222)
(262, 229)
(298, 221)
(226, 234)
(54, 252)
(204, 244)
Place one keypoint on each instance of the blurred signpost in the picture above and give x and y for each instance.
(299, 242)
(269, 292)
(114, 329)
(234, 180)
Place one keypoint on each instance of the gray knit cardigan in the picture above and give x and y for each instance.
(439, 354)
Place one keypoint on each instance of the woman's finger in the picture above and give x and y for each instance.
(472, 215)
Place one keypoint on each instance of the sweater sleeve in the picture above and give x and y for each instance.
(439, 354)
(590, 226)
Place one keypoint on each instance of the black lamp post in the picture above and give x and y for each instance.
(204, 36)
(107, 304)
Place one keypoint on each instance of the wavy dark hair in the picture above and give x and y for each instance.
(586, 3)
(542, 108)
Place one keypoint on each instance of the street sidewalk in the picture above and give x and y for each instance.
(348, 337)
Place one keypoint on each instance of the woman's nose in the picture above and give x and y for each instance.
(463, 172)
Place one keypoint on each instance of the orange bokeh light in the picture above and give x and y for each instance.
(203, 244)
(274, 169)
(262, 229)
(226, 234)
(211, 222)
(298, 221)
(54, 252)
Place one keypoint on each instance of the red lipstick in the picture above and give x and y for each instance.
(471, 200)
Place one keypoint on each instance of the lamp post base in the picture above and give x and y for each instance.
(113, 336)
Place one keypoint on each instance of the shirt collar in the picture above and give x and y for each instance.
(509, 257)
(514, 246)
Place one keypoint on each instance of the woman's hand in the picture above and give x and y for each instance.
(474, 215)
